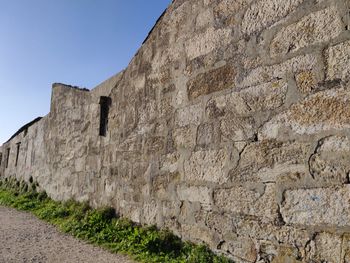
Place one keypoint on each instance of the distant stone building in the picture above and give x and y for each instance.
(230, 126)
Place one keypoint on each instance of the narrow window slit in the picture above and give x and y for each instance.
(17, 154)
(105, 103)
(7, 157)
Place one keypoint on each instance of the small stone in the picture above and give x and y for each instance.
(306, 82)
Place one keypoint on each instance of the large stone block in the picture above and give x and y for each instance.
(313, 29)
(207, 166)
(317, 207)
(265, 74)
(243, 201)
(211, 81)
(255, 99)
(324, 111)
(267, 160)
(264, 13)
(245, 226)
(338, 58)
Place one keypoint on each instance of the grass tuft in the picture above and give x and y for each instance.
(103, 228)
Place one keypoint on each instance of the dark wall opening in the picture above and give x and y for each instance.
(105, 103)
(17, 153)
(7, 157)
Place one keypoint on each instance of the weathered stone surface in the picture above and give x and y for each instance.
(267, 160)
(242, 248)
(338, 58)
(306, 82)
(319, 206)
(200, 233)
(330, 162)
(212, 81)
(185, 137)
(264, 13)
(313, 29)
(225, 11)
(206, 42)
(270, 232)
(324, 111)
(205, 18)
(221, 223)
(243, 201)
(345, 249)
(267, 96)
(286, 254)
(189, 115)
(237, 129)
(327, 248)
(278, 71)
(208, 134)
(194, 194)
(207, 166)
(227, 7)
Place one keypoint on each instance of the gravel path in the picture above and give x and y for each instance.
(24, 238)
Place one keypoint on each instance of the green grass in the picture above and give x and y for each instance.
(101, 227)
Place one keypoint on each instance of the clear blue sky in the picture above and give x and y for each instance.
(77, 42)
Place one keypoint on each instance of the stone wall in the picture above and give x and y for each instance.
(230, 126)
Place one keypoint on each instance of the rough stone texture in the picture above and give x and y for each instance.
(338, 57)
(306, 116)
(214, 80)
(240, 200)
(230, 126)
(319, 206)
(315, 28)
(206, 42)
(266, 12)
(207, 166)
(330, 163)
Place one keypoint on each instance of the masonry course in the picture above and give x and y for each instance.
(230, 126)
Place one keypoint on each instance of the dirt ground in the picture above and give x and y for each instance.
(24, 238)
